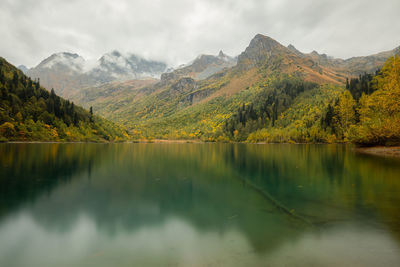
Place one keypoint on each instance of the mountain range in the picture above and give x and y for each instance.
(194, 99)
(68, 72)
(215, 96)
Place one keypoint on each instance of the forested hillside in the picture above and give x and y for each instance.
(28, 112)
(377, 115)
(367, 112)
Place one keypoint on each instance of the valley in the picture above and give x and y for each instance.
(268, 93)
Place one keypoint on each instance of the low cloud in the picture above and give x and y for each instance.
(176, 31)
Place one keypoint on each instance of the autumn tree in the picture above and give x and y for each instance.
(380, 111)
(344, 114)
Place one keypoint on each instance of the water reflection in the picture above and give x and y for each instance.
(196, 204)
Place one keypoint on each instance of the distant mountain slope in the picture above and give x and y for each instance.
(353, 66)
(106, 98)
(67, 72)
(201, 67)
(30, 112)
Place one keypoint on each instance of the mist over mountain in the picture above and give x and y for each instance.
(68, 72)
(202, 67)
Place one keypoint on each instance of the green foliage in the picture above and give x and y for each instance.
(302, 122)
(361, 85)
(265, 106)
(30, 112)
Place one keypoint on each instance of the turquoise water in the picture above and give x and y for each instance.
(197, 205)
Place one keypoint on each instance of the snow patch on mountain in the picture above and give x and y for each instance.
(113, 65)
(72, 61)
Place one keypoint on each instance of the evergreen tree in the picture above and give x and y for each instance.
(91, 114)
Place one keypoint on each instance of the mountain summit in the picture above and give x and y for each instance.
(259, 50)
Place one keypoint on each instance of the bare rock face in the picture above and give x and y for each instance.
(183, 85)
(260, 49)
(201, 67)
(294, 50)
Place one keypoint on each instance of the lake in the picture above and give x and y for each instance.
(197, 205)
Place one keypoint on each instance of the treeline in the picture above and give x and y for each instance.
(30, 112)
(266, 106)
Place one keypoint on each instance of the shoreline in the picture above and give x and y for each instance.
(144, 141)
(382, 151)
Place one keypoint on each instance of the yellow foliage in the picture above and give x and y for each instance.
(7, 129)
(54, 132)
(380, 111)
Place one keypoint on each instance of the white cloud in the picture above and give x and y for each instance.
(176, 31)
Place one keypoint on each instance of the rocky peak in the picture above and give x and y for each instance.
(262, 42)
(320, 58)
(294, 50)
(259, 50)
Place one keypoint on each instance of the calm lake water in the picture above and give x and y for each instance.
(197, 205)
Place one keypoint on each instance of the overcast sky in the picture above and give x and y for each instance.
(176, 31)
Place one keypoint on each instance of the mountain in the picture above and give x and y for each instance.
(68, 72)
(115, 66)
(30, 112)
(353, 66)
(201, 67)
(266, 53)
(367, 64)
(106, 96)
(253, 98)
